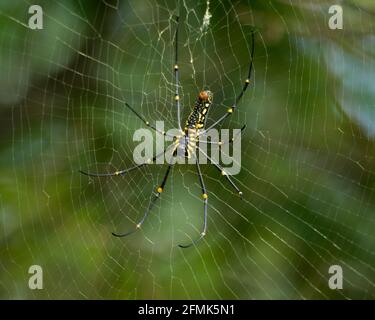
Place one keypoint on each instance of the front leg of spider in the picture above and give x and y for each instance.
(155, 197)
(230, 110)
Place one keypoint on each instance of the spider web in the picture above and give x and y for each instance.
(307, 154)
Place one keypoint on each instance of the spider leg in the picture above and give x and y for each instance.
(176, 76)
(122, 172)
(221, 169)
(147, 123)
(111, 174)
(244, 88)
(205, 203)
(156, 196)
(222, 143)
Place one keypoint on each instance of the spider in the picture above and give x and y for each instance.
(195, 126)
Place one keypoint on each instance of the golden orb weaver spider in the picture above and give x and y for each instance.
(195, 122)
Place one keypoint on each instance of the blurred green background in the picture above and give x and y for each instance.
(308, 169)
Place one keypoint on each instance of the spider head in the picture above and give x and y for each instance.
(205, 96)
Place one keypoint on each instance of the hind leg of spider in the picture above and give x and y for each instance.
(155, 197)
(222, 171)
(122, 172)
(205, 204)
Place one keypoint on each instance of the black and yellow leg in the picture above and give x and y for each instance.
(205, 204)
(155, 197)
(231, 109)
(176, 76)
(147, 123)
(122, 172)
(222, 143)
(223, 173)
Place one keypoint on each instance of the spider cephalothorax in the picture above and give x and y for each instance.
(186, 142)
